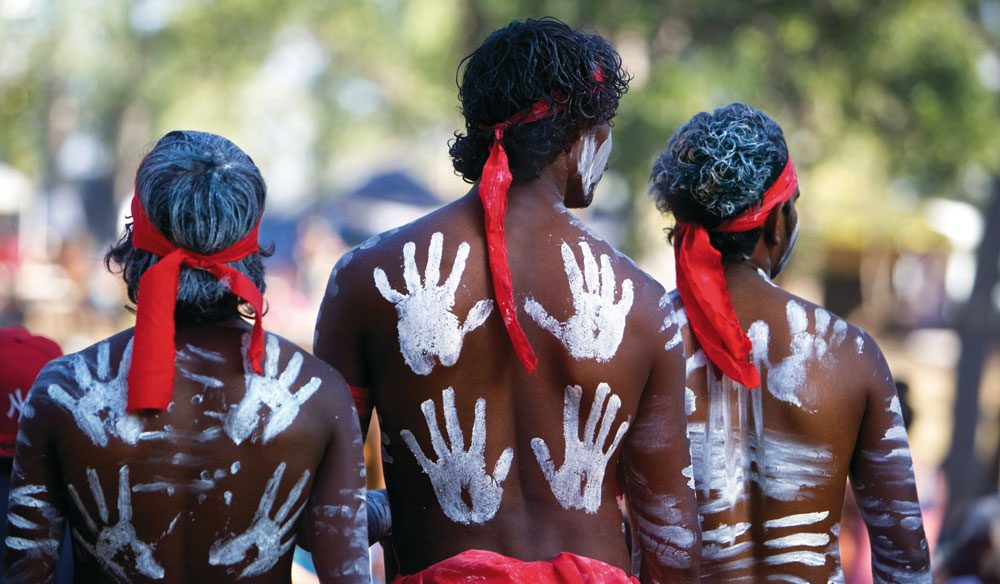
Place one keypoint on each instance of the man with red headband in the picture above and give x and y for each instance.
(785, 400)
(194, 447)
(516, 361)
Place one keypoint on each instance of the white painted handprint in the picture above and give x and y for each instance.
(457, 471)
(272, 390)
(99, 411)
(577, 484)
(266, 535)
(598, 324)
(786, 380)
(111, 541)
(428, 330)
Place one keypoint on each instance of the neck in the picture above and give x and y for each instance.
(543, 194)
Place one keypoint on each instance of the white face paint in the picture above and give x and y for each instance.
(116, 547)
(593, 160)
(428, 330)
(786, 380)
(457, 471)
(787, 255)
(597, 326)
(99, 410)
(272, 390)
(267, 540)
(580, 480)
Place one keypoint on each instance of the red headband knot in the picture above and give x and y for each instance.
(701, 282)
(151, 377)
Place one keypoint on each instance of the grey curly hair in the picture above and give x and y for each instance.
(717, 166)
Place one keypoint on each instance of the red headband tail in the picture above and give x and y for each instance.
(701, 282)
(151, 377)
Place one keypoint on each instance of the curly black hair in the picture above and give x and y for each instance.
(519, 65)
(717, 166)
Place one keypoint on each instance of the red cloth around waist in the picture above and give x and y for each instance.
(492, 568)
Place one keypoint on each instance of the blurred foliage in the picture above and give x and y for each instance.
(883, 103)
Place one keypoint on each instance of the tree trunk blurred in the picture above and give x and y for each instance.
(976, 327)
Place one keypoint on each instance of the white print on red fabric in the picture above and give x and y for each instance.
(465, 492)
(99, 409)
(578, 483)
(597, 326)
(428, 330)
(273, 391)
(267, 539)
(116, 547)
(17, 401)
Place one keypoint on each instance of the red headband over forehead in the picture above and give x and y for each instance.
(701, 282)
(151, 377)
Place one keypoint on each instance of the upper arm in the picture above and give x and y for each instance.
(338, 339)
(882, 478)
(657, 468)
(337, 517)
(35, 512)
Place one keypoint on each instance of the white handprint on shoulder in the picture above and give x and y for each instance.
(597, 326)
(578, 483)
(272, 390)
(99, 410)
(459, 471)
(428, 330)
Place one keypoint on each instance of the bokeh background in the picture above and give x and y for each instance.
(891, 110)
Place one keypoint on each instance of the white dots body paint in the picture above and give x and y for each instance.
(593, 160)
(111, 542)
(580, 480)
(859, 343)
(271, 390)
(228, 497)
(270, 538)
(234, 468)
(428, 330)
(99, 410)
(597, 326)
(457, 470)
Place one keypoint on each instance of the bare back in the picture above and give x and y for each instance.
(478, 454)
(215, 487)
(771, 464)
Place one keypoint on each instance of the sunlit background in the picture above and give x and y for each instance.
(890, 109)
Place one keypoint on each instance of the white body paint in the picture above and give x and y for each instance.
(267, 539)
(116, 547)
(457, 470)
(597, 326)
(269, 390)
(579, 482)
(659, 523)
(593, 160)
(428, 330)
(17, 401)
(674, 318)
(786, 380)
(99, 410)
(356, 514)
(22, 501)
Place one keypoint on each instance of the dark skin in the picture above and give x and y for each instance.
(193, 489)
(357, 333)
(846, 410)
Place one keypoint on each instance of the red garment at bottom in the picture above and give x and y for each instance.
(492, 568)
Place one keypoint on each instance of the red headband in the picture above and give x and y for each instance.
(151, 377)
(493, 185)
(701, 282)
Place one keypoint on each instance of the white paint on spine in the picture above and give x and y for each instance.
(116, 547)
(578, 483)
(458, 471)
(597, 326)
(796, 520)
(428, 330)
(786, 380)
(99, 410)
(799, 540)
(272, 538)
(270, 390)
